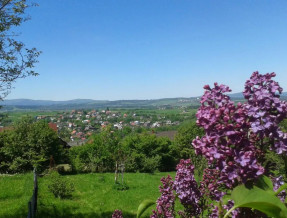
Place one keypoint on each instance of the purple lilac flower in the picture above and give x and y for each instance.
(117, 214)
(209, 186)
(214, 212)
(266, 110)
(165, 203)
(277, 182)
(226, 144)
(235, 213)
(187, 189)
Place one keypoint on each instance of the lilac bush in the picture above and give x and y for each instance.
(187, 189)
(210, 186)
(226, 144)
(265, 110)
(235, 142)
(277, 182)
(117, 214)
(165, 203)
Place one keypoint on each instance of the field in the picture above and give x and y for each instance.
(15, 116)
(94, 195)
(15, 192)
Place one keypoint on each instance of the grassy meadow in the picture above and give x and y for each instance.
(94, 195)
(15, 192)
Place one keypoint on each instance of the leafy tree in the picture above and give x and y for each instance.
(184, 137)
(147, 153)
(183, 141)
(16, 61)
(27, 145)
(99, 155)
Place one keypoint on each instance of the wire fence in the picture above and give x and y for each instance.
(32, 204)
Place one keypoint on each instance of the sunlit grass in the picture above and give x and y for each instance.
(94, 195)
(15, 192)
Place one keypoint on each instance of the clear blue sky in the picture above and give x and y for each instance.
(147, 49)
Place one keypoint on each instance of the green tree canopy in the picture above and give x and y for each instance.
(29, 144)
(16, 60)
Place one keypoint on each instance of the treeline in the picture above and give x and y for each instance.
(34, 144)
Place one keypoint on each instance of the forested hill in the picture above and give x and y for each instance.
(94, 104)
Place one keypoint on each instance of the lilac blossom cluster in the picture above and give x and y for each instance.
(226, 144)
(277, 182)
(117, 214)
(165, 203)
(215, 212)
(209, 186)
(187, 189)
(236, 137)
(265, 110)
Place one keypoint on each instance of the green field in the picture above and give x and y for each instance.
(94, 195)
(15, 192)
(14, 116)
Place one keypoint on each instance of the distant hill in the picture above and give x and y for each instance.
(28, 104)
(236, 95)
(239, 95)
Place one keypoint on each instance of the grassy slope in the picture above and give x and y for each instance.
(15, 192)
(94, 195)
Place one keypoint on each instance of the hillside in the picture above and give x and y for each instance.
(28, 104)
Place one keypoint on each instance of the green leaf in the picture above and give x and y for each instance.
(258, 199)
(265, 183)
(144, 206)
(281, 188)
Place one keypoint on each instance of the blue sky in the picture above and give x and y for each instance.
(147, 49)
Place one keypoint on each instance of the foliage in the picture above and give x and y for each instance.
(141, 152)
(59, 186)
(237, 144)
(16, 61)
(121, 186)
(258, 199)
(183, 139)
(27, 145)
(143, 207)
(99, 155)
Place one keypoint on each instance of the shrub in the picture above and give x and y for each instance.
(151, 164)
(64, 168)
(121, 186)
(59, 186)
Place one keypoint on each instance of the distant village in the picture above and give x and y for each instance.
(76, 126)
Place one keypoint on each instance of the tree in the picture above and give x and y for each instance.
(183, 140)
(184, 137)
(27, 145)
(16, 61)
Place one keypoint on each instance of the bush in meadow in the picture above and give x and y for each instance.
(59, 186)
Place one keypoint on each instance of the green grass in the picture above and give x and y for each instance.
(94, 195)
(15, 192)
(15, 116)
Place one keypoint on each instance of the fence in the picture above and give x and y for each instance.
(32, 204)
